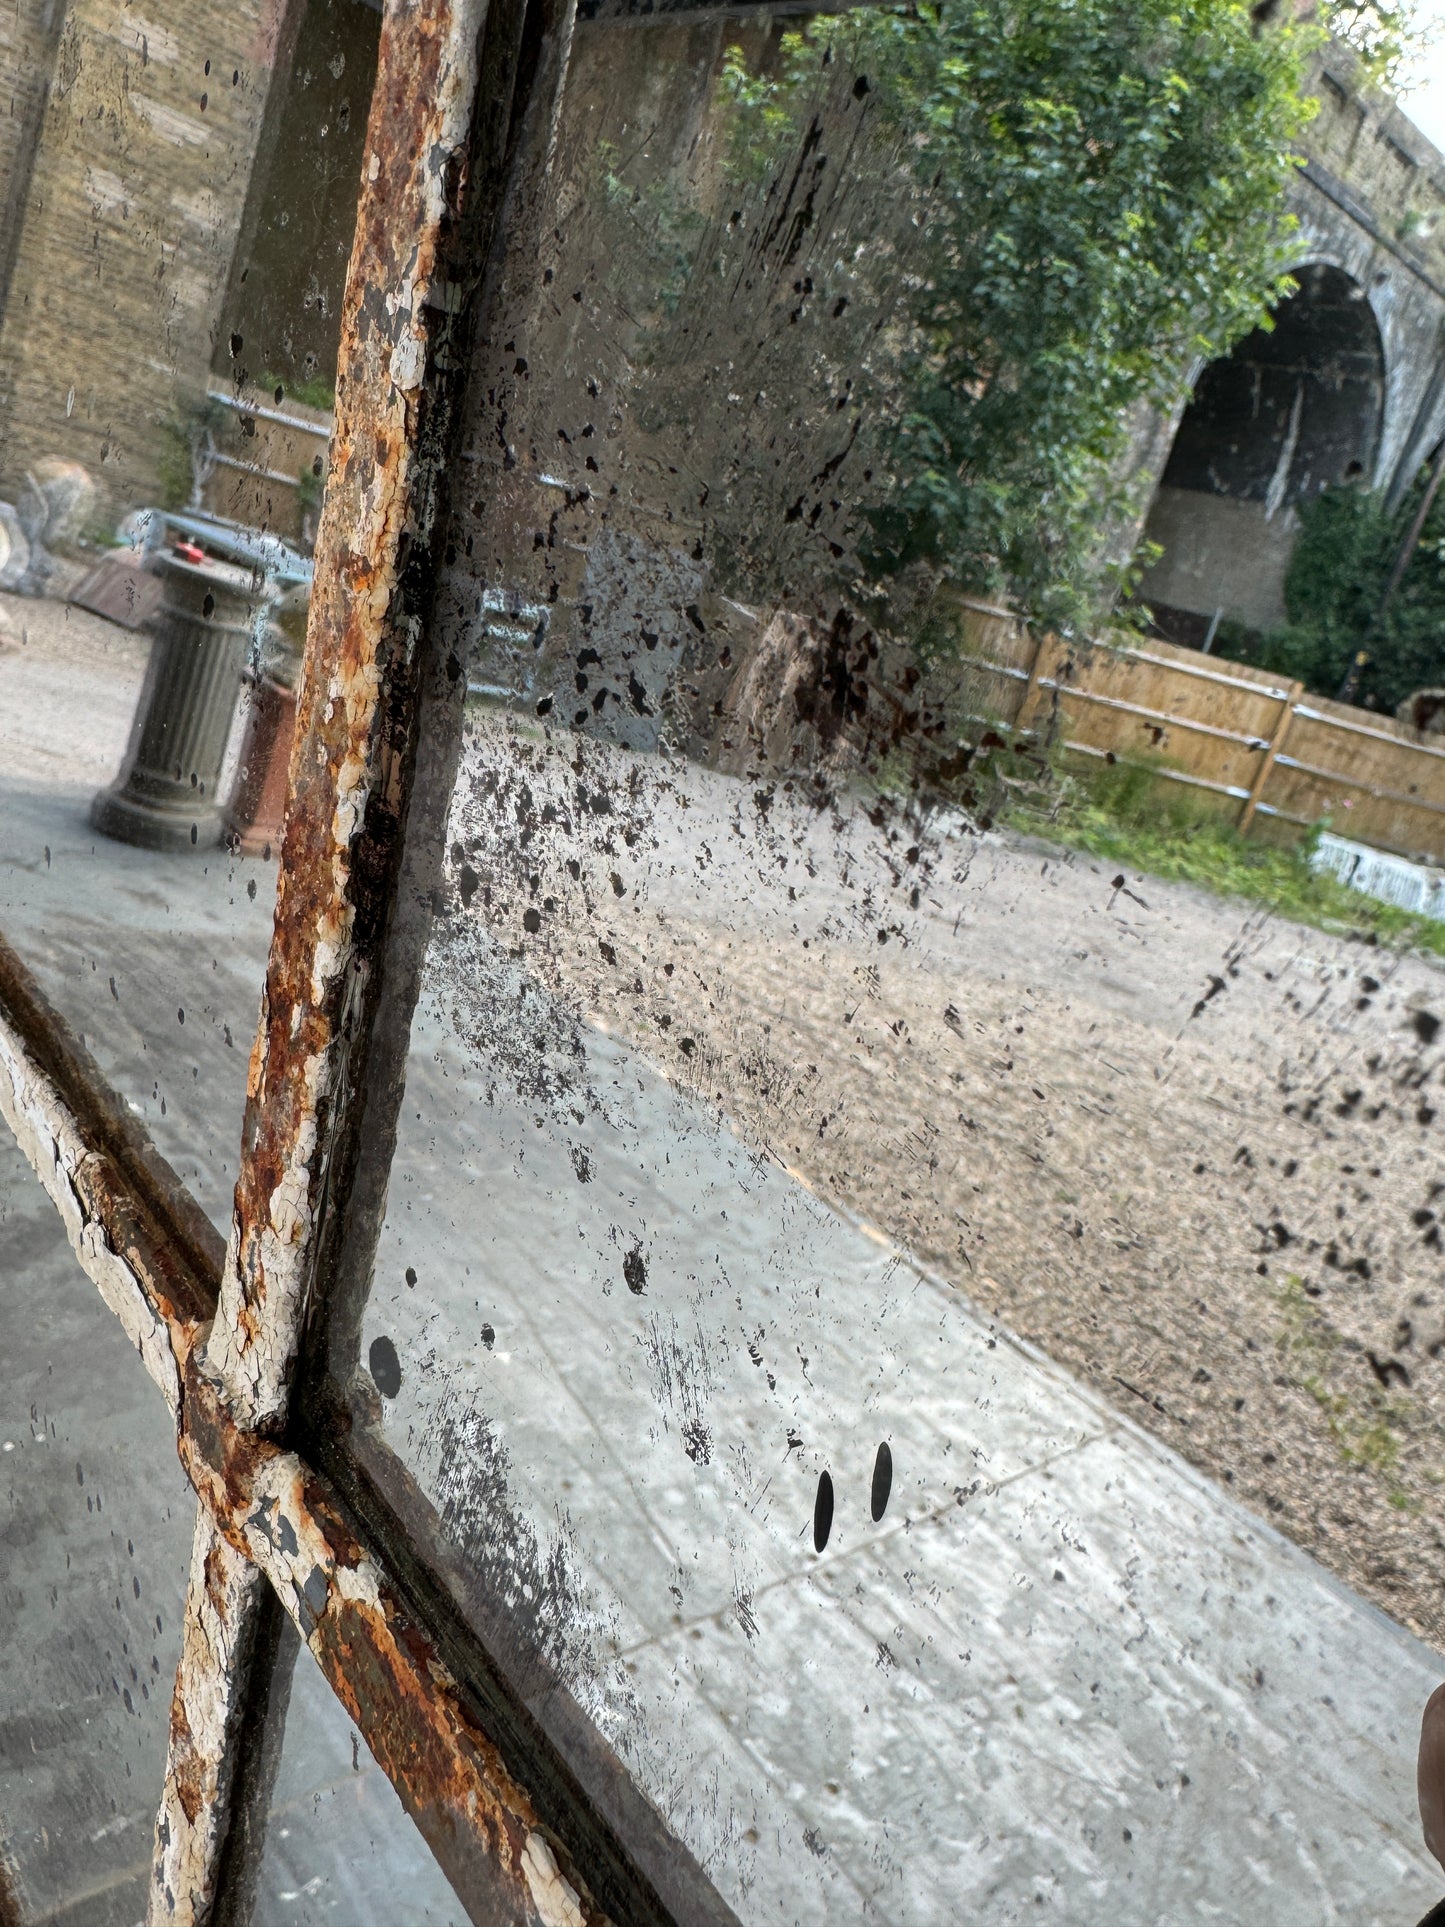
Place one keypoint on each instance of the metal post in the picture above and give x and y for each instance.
(1043, 651)
(165, 797)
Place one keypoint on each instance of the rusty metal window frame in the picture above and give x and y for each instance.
(292, 1538)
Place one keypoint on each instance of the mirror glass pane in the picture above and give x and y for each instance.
(757, 1073)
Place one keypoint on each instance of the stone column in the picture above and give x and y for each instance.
(165, 796)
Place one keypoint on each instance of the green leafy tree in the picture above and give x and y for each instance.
(1099, 184)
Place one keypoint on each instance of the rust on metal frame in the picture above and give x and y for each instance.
(383, 1666)
(210, 1703)
(352, 731)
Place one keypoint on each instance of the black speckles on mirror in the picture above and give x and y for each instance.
(634, 1270)
(411, 1276)
(823, 1511)
(489, 1337)
(882, 1481)
(385, 1367)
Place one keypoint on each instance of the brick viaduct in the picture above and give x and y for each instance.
(146, 228)
(1350, 385)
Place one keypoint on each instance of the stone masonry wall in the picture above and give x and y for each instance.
(125, 236)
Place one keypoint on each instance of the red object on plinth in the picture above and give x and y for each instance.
(256, 813)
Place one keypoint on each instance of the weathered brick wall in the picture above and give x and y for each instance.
(28, 33)
(1363, 143)
(126, 232)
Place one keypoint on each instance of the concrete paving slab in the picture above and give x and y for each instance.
(1064, 1672)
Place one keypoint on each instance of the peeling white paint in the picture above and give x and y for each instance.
(555, 1900)
(46, 1134)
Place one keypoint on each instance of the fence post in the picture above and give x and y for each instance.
(1030, 700)
(1276, 744)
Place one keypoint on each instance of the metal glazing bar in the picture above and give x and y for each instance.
(385, 1668)
(449, 140)
(433, 150)
(226, 1668)
(439, 137)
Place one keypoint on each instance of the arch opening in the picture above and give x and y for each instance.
(1288, 412)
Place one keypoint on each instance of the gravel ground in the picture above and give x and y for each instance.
(1189, 1150)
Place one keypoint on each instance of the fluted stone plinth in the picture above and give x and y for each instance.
(165, 796)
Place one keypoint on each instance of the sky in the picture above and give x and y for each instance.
(1424, 102)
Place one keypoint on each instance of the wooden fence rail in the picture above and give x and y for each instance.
(1246, 736)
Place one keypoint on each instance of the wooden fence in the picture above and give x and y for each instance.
(1263, 749)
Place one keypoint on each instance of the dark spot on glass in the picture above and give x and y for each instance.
(882, 1481)
(634, 1270)
(489, 1337)
(180, 1016)
(411, 1276)
(385, 1367)
(532, 920)
(1426, 1024)
(823, 1511)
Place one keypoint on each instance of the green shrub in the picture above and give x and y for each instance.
(1337, 578)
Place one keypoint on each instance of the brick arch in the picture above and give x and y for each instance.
(1291, 409)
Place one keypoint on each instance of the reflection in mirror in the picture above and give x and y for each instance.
(762, 1061)
(159, 485)
(95, 1540)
